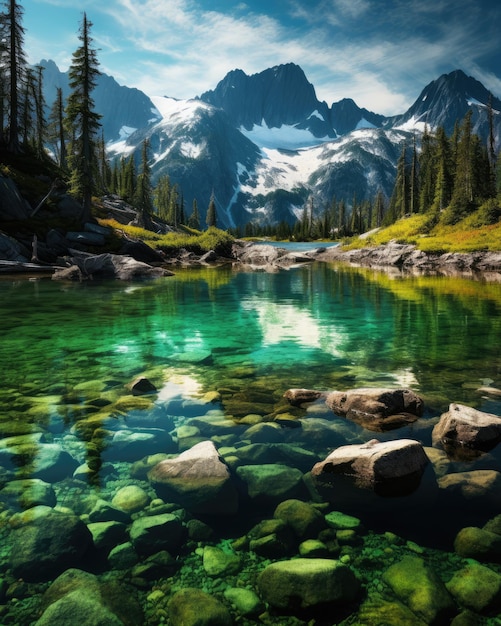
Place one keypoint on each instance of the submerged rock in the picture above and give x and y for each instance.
(194, 607)
(155, 533)
(476, 587)
(27, 493)
(377, 409)
(305, 520)
(307, 583)
(268, 485)
(477, 543)
(47, 546)
(77, 596)
(198, 480)
(421, 589)
(388, 468)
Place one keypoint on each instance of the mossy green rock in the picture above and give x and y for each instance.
(477, 543)
(380, 612)
(476, 587)
(131, 499)
(245, 601)
(421, 589)
(193, 607)
(157, 532)
(270, 484)
(306, 583)
(341, 521)
(303, 518)
(217, 562)
(28, 492)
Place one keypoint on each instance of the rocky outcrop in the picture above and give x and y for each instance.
(407, 257)
(198, 480)
(388, 468)
(375, 408)
(108, 266)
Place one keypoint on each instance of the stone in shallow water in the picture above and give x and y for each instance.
(464, 427)
(307, 583)
(476, 543)
(268, 485)
(130, 499)
(302, 517)
(476, 587)
(377, 409)
(154, 533)
(388, 468)
(193, 607)
(131, 445)
(198, 480)
(245, 601)
(217, 562)
(421, 589)
(28, 492)
(46, 547)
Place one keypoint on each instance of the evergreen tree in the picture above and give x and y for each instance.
(55, 131)
(379, 208)
(414, 181)
(194, 219)
(211, 217)
(82, 121)
(162, 197)
(444, 175)
(427, 171)
(41, 123)
(399, 202)
(143, 192)
(14, 63)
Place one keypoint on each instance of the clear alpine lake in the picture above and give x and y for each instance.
(222, 345)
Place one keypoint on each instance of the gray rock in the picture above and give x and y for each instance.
(463, 426)
(198, 480)
(377, 409)
(114, 266)
(306, 583)
(387, 468)
(53, 464)
(155, 533)
(44, 548)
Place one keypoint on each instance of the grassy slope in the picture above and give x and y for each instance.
(464, 236)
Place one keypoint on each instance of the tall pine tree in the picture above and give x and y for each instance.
(82, 120)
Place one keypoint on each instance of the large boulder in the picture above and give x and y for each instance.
(302, 517)
(44, 548)
(28, 492)
(464, 427)
(197, 479)
(389, 468)
(476, 587)
(377, 409)
(477, 543)
(307, 583)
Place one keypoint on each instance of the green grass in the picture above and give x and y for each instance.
(192, 240)
(465, 236)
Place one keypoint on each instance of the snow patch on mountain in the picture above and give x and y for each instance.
(178, 111)
(283, 138)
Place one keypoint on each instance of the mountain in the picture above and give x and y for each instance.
(446, 101)
(123, 109)
(265, 145)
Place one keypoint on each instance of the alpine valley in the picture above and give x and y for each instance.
(264, 145)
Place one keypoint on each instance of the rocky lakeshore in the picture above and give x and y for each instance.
(213, 509)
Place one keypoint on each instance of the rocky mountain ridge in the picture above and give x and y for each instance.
(265, 146)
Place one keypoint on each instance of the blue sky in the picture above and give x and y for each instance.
(381, 53)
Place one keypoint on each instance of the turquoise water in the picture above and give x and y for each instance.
(69, 353)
